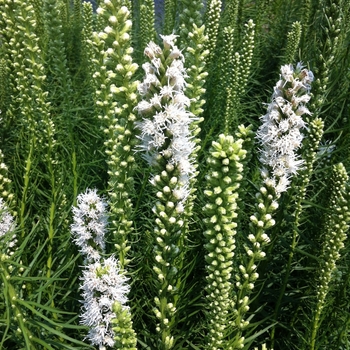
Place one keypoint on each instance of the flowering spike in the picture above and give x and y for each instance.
(115, 98)
(335, 231)
(167, 145)
(213, 15)
(8, 238)
(167, 132)
(279, 135)
(90, 225)
(221, 222)
(293, 39)
(103, 287)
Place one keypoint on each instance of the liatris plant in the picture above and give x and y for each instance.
(216, 229)
(115, 99)
(279, 137)
(166, 145)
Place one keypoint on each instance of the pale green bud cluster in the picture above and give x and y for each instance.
(212, 27)
(115, 98)
(223, 100)
(315, 133)
(311, 147)
(257, 240)
(5, 183)
(223, 180)
(56, 60)
(234, 68)
(147, 31)
(325, 59)
(244, 59)
(195, 58)
(168, 231)
(27, 60)
(125, 336)
(169, 20)
(190, 16)
(29, 108)
(293, 40)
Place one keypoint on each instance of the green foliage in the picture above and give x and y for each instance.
(228, 263)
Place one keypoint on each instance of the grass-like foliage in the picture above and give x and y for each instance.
(174, 174)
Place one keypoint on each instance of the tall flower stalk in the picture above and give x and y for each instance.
(280, 137)
(336, 226)
(213, 15)
(115, 99)
(223, 180)
(165, 140)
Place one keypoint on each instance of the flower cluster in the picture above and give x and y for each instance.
(6, 222)
(103, 285)
(280, 135)
(5, 182)
(165, 125)
(89, 224)
(7, 225)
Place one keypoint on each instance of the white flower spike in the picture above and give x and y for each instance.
(165, 127)
(90, 225)
(280, 134)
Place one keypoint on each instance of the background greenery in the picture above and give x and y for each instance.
(68, 124)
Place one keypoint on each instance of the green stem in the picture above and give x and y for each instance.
(75, 176)
(315, 326)
(298, 210)
(26, 187)
(284, 286)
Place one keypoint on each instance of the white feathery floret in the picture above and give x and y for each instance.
(165, 128)
(90, 224)
(280, 133)
(7, 228)
(7, 223)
